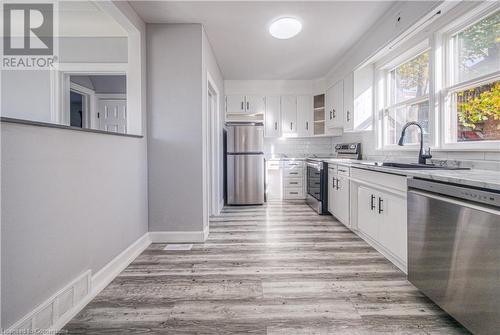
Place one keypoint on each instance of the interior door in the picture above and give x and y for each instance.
(112, 115)
(305, 115)
(367, 212)
(272, 117)
(289, 114)
(255, 104)
(235, 104)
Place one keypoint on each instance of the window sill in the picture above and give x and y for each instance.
(59, 126)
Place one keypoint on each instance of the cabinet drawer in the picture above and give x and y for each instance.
(293, 173)
(343, 170)
(293, 193)
(382, 179)
(273, 164)
(293, 183)
(294, 164)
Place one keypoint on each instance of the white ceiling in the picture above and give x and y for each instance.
(238, 33)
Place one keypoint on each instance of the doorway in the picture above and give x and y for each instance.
(214, 147)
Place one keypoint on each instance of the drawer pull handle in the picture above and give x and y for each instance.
(293, 183)
(294, 173)
(380, 201)
(294, 192)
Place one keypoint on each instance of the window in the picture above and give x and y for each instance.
(407, 99)
(472, 93)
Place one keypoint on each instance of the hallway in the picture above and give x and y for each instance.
(277, 269)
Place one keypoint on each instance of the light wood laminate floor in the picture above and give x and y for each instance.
(276, 269)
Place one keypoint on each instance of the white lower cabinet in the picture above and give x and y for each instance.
(285, 180)
(368, 220)
(338, 192)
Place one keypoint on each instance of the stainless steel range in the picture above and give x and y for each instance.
(317, 175)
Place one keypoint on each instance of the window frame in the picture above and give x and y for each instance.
(447, 84)
(395, 59)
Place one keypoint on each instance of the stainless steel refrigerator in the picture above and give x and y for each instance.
(244, 163)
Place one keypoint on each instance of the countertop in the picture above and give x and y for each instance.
(489, 179)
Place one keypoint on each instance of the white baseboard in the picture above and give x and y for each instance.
(179, 236)
(221, 205)
(60, 308)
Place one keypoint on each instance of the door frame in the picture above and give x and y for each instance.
(214, 143)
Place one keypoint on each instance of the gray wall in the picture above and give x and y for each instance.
(71, 201)
(175, 164)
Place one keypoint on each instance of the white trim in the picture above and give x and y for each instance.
(105, 275)
(111, 96)
(179, 236)
(93, 68)
(213, 146)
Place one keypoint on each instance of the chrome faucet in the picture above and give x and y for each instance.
(422, 155)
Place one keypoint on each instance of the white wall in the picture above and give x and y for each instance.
(175, 127)
(71, 201)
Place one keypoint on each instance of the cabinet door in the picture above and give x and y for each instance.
(289, 114)
(338, 105)
(329, 107)
(255, 104)
(349, 102)
(235, 104)
(367, 212)
(274, 180)
(393, 224)
(305, 123)
(341, 205)
(272, 120)
(331, 190)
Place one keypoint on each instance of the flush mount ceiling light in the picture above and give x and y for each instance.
(285, 27)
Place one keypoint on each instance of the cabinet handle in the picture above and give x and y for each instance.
(248, 105)
(380, 201)
(330, 115)
(276, 126)
(307, 125)
(348, 116)
(291, 125)
(372, 205)
(342, 170)
(333, 183)
(242, 105)
(337, 187)
(333, 111)
(294, 192)
(294, 182)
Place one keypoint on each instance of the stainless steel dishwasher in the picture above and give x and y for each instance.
(454, 250)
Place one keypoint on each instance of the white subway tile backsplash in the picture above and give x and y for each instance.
(298, 147)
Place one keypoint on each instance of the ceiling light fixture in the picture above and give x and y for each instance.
(285, 27)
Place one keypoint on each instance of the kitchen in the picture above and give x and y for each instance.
(227, 167)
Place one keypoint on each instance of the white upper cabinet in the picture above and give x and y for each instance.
(241, 104)
(334, 103)
(255, 104)
(305, 124)
(289, 114)
(272, 121)
(235, 104)
(338, 105)
(349, 102)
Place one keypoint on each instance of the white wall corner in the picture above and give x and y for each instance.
(197, 236)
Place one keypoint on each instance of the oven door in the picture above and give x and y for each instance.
(314, 180)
